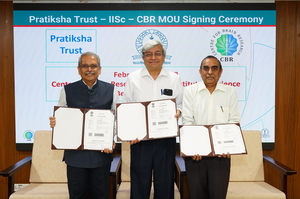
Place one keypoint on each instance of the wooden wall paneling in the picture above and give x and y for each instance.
(6, 86)
(286, 96)
(285, 76)
(294, 190)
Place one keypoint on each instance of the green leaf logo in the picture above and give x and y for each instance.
(226, 44)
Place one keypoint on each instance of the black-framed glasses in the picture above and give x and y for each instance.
(85, 66)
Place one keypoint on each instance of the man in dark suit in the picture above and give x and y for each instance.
(88, 171)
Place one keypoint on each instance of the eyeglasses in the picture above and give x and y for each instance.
(157, 54)
(85, 66)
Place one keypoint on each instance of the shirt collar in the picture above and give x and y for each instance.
(219, 87)
(145, 72)
(88, 86)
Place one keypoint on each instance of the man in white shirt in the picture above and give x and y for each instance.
(153, 156)
(205, 103)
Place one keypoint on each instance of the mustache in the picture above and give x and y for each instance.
(210, 76)
(89, 72)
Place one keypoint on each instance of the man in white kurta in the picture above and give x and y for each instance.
(205, 103)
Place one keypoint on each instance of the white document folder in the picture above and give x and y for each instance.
(211, 140)
(83, 129)
(146, 120)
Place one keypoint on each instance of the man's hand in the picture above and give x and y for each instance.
(134, 141)
(177, 115)
(224, 155)
(108, 151)
(52, 122)
(197, 157)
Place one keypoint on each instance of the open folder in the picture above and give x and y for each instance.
(146, 120)
(211, 140)
(83, 129)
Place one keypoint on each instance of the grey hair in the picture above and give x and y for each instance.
(90, 54)
(152, 43)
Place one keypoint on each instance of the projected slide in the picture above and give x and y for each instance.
(48, 43)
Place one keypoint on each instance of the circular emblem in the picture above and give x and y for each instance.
(226, 44)
(147, 35)
(28, 135)
(265, 133)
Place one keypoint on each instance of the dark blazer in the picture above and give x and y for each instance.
(78, 95)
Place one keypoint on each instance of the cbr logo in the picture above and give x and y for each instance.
(228, 43)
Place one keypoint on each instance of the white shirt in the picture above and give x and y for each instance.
(141, 87)
(63, 101)
(202, 108)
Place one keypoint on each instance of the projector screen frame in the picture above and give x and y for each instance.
(142, 6)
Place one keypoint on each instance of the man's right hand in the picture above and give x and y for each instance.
(52, 121)
(134, 141)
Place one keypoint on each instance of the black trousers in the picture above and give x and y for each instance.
(208, 178)
(157, 156)
(90, 183)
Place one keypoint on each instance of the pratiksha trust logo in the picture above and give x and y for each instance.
(228, 43)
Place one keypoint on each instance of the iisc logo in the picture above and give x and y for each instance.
(226, 45)
(28, 135)
(145, 36)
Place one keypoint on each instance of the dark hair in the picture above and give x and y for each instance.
(210, 56)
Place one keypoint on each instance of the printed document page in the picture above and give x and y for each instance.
(98, 129)
(161, 120)
(67, 133)
(131, 121)
(227, 138)
(195, 140)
